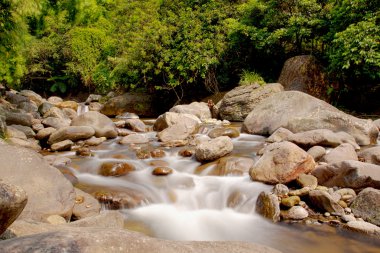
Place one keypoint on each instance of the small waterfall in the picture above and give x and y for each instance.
(82, 108)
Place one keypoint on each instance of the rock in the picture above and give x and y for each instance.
(85, 205)
(26, 130)
(279, 135)
(304, 73)
(290, 201)
(49, 192)
(232, 165)
(157, 153)
(139, 103)
(171, 118)
(370, 155)
(69, 113)
(94, 141)
(55, 220)
(295, 213)
(300, 192)
(281, 162)
(280, 190)
(199, 109)
(93, 98)
(317, 152)
(115, 169)
(363, 227)
(54, 100)
(13, 132)
(127, 115)
(267, 205)
(124, 132)
(83, 151)
(240, 101)
(16, 98)
(322, 137)
(45, 133)
(56, 123)
(103, 126)
(224, 131)
(179, 131)
(29, 143)
(214, 149)
(351, 174)
(14, 118)
(95, 106)
(62, 145)
(29, 107)
(186, 152)
(12, 201)
(55, 112)
(367, 205)
(72, 133)
(37, 99)
(310, 181)
(162, 171)
(135, 125)
(348, 218)
(37, 127)
(95, 239)
(104, 219)
(324, 202)
(44, 107)
(68, 104)
(299, 112)
(134, 139)
(377, 123)
(341, 153)
(127, 198)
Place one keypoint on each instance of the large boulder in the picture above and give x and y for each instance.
(36, 98)
(240, 101)
(370, 155)
(281, 162)
(72, 133)
(95, 239)
(18, 118)
(304, 73)
(12, 201)
(351, 174)
(367, 205)
(199, 109)
(214, 149)
(49, 192)
(268, 205)
(103, 126)
(299, 112)
(139, 103)
(171, 118)
(341, 153)
(179, 131)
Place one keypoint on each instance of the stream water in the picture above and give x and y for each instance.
(190, 206)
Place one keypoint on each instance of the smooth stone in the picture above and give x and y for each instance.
(310, 181)
(279, 135)
(186, 152)
(267, 205)
(348, 217)
(114, 199)
(62, 145)
(33, 96)
(55, 112)
(136, 125)
(37, 127)
(115, 169)
(56, 122)
(28, 131)
(232, 165)
(162, 171)
(69, 113)
(45, 133)
(370, 155)
(95, 106)
(55, 220)
(290, 201)
(300, 192)
(199, 109)
(44, 107)
(364, 227)
(324, 202)
(296, 213)
(14, 118)
(367, 205)
(83, 151)
(94, 141)
(157, 153)
(29, 143)
(85, 205)
(280, 190)
(54, 100)
(213, 149)
(177, 132)
(103, 126)
(341, 153)
(15, 133)
(68, 104)
(72, 133)
(134, 139)
(317, 152)
(224, 131)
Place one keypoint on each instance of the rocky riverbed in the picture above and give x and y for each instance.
(295, 164)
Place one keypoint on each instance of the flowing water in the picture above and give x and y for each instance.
(190, 206)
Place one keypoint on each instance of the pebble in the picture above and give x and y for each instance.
(327, 214)
(280, 190)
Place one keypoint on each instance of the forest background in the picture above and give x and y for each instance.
(185, 47)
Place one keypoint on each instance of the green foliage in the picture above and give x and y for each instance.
(251, 77)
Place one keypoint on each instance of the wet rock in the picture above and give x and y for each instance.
(69, 113)
(29, 143)
(295, 213)
(240, 101)
(310, 181)
(370, 155)
(290, 201)
(142, 154)
(324, 202)
(15, 118)
(351, 174)
(54, 100)
(280, 190)
(56, 123)
(72, 133)
(162, 171)
(44, 107)
(317, 152)
(103, 126)
(299, 112)
(235, 199)
(68, 104)
(135, 125)
(158, 163)
(281, 162)
(177, 132)
(199, 109)
(214, 149)
(367, 205)
(95, 106)
(62, 145)
(134, 139)
(363, 227)
(267, 205)
(12, 201)
(95, 239)
(114, 200)
(94, 141)
(224, 131)
(85, 205)
(232, 166)
(186, 152)
(124, 132)
(32, 96)
(300, 192)
(49, 192)
(45, 133)
(115, 169)
(279, 135)
(172, 118)
(157, 153)
(13, 132)
(83, 151)
(341, 153)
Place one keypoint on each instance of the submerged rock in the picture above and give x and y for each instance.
(115, 169)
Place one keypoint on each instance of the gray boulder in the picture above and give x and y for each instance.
(56, 123)
(341, 153)
(199, 109)
(72, 133)
(62, 145)
(103, 126)
(179, 131)
(213, 149)
(299, 112)
(351, 174)
(240, 101)
(18, 118)
(367, 205)
(36, 98)
(134, 138)
(171, 118)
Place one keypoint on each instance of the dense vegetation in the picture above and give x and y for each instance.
(65, 45)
